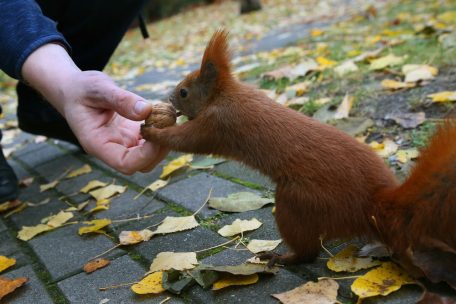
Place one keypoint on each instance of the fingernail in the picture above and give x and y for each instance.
(139, 107)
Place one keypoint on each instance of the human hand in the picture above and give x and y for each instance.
(104, 117)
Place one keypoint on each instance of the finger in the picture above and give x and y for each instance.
(161, 155)
(129, 160)
(127, 104)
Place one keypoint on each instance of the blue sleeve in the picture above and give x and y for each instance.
(23, 29)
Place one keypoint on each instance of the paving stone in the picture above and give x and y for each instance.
(145, 179)
(125, 206)
(83, 288)
(33, 292)
(2, 225)
(56, 168)
(72, 186)
(63, 251)
(238, 170)
(10, 249)
(32, 193)
(192, 192)
(252, 294)
(30, 147)
(32, 216)
(19, 170)
(40, 156)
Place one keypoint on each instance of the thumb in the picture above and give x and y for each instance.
(129, 105)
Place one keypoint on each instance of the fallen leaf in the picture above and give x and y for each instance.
(94, 226)
(107, 192)
(173, 260)
(59, 219)
(9, 205)
(396, 85)
(80, 171)
(302, 69)
(227, 280)
(316, 32)
(27, 233)
(347, 260)
(158, 184)
(174, 224)
(134, 237)
(92, 185)
(325, 63)
(257, 246)
(386, 61)
(385, 149)
(239, 226)
(176, 164)
(241, 269)
(7, 285)
(93, 265)
(321, 292)
(48, 186)
(345, 68)
(150, 284)
(375, 249)
(353, 125)
(408, 120)
(418, 72)
(207, 163)
(382, 280)
(101, 205)
(344, 108)
(297, 101)
(176, 281)
(82, 205)
(239, 202)
(447, 17)
(444, 96)
(405, 156)
(368, 55)
(6, 263)
(297, 90)
(25, 182)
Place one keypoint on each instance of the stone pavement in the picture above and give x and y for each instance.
(53, 261)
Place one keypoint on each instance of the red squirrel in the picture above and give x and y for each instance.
(328, 184)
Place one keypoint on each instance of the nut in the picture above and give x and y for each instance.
(163, 115)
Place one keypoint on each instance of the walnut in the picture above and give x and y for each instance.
(163, 115)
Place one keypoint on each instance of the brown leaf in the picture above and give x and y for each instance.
(93, 265)
(7, 285)
(324, 292)
(9, 205)
(407, 120)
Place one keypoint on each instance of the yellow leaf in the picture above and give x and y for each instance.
(386, 61)
(158, 184)
(344, 108)
(345, 68)
(385, 149)
(346, 260)
(316, 32)
(447, 17)
(134, 237)
(82, 205)
(101, 205)
(444, 96)
(418, 72)
(176, 164)
(404, 156)
(7, 285)
(381, 281)
(228, 279)
(174, 224)
(373, 39)
(173, 260)
(9, 205)
(94, 226)
(59, 219)
(6, 263)
(396, 85)
(48, 186)
(321, 292)
(239, 226)
(107, 192)
(83, 170)
(27, 233)
(150, 284)
(256, 246)
(325, 62)
(92, 185)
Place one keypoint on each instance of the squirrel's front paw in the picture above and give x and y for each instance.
(149, 132)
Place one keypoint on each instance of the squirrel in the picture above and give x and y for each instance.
(328, 185)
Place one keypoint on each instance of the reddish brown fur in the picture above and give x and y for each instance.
(327, 182)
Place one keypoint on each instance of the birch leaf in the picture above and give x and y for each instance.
(6, 263)
(158, 184)
(92, 185)
(9, 205)
(322, 292)
(227, 280)
(382, 281)
(7, 285)
(239, 202)
(134, 237)
(257, 246)
(48, 186)
(386, 61)
(174, 224)
(173, 260)
(80, 171)
(150, 284)
(325, 62)
(345, 68)
(94, 226)
(396, 85)
(59, 219)
(239, 226)
(107, 192)
(49, 223)
(444, 96)
(419, 72)
(96, 264)
(404, 156)
(176, 164)
(241, 269)
(347, 260)
(385, 149)
(344, 108)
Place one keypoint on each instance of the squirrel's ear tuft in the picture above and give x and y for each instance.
(217, 56)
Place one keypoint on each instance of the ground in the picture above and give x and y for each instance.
(284, 33)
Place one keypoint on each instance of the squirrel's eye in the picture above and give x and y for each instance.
(183, 93)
